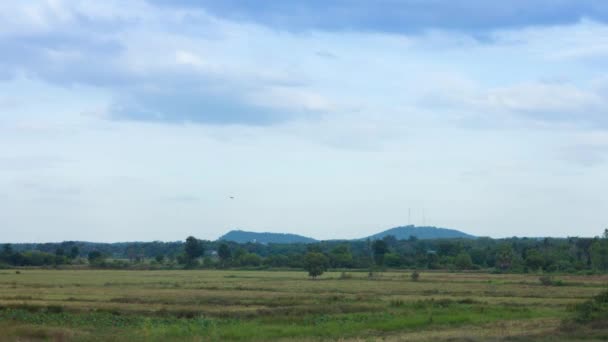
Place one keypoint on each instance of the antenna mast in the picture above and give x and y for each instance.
(409, 216)
(423, 217)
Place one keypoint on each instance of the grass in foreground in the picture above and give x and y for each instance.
(256, 305)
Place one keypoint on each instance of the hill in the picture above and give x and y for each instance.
(241, 236)
(405, 232)
(401, 233)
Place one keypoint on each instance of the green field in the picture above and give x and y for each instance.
(261, 305)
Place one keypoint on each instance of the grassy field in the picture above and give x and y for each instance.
(261, 305)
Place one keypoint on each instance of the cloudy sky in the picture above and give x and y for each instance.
(138, 120)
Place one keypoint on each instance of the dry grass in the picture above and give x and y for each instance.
(284, 301)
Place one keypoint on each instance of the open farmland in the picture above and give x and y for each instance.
(261, 305)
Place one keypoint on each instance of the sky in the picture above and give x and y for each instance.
(155, 120)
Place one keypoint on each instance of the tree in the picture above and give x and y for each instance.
(534, 260)
(7, 252)
(478, 256)
(134, 252)
(7, 248)
(380, 248)
(463, 261)
(448, 248)
(583, 246)
(250, 259)
(238, 254)
(599, 255)
(59, 256)
(392, 260)
(194, 249)
(224, 253)
(95, 257)
(341, 256)
(391, 240)
(74, 252)
(315, 263)
(504, 257)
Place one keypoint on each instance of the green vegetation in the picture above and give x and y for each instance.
(513, 255)
(193, 249)
(406, 232)
(240, 236)
(315, 264)
(170, 305)
(593, 310)
(203, 290)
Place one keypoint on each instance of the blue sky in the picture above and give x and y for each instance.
(139, 120)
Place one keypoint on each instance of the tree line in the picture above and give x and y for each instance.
(565, 255)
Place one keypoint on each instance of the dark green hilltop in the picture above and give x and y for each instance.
(423, 233)
(401, 233)
(241, 236)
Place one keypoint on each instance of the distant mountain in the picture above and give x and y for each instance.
(405, 232)
(401, 233)
(241, 236)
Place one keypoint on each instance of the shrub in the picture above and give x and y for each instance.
(546, 280)
(315, 264)
(463, 261)
(396, 303)
(345, 275)
(54, 309)
(593, 309)
(549, 281)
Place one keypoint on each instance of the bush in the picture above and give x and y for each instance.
(463, 261)
(593, 309)
(415, 276)
(315, 264)
(549, 281)
(546, 280)
(396, 303)
(54, 309)
(345, 276)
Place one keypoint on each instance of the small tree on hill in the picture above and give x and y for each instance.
(534, 260)
(74, 252)
(193, 249)
(315, 263)
(95, 257)
(463, 261)
(380, 248)
(504, 257)
(224, 253)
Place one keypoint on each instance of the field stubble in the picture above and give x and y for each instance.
(218, 305)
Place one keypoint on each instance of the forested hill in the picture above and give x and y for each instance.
(403, 233)
(241, 236)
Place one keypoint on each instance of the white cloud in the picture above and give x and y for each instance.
(219, 107)
(541, 98)
(290, 98)
(188, 58)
